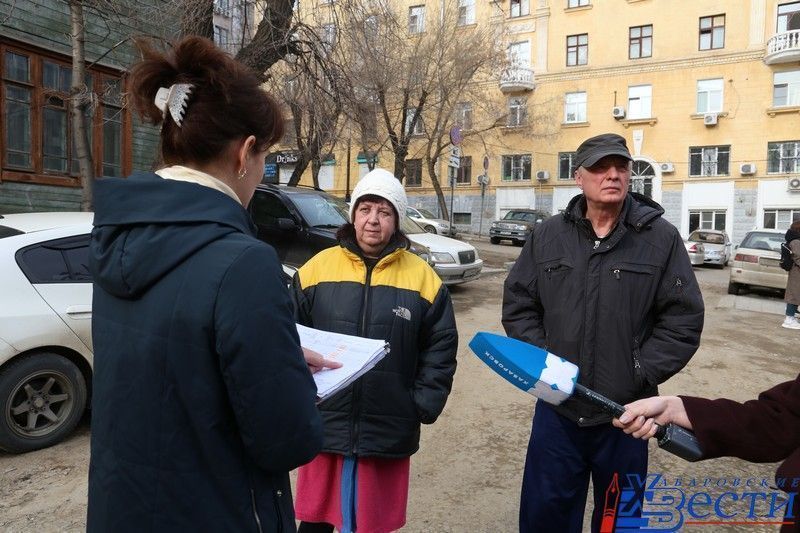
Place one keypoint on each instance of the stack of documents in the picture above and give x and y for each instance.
(356, 354)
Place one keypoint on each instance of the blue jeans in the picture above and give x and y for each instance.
(561, 458)
(791, 309)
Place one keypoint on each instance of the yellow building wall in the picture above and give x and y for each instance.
(747, 122)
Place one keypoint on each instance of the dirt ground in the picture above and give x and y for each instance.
(467, 475)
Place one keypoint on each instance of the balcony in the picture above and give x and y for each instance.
(783, 47)
(515, 79)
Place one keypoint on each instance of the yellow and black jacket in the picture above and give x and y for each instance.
(402, 300)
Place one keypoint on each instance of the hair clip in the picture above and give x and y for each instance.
(175, 99)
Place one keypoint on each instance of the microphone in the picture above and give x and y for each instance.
(553, 380)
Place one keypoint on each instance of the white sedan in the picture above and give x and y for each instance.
(45, 327)
(455, 261)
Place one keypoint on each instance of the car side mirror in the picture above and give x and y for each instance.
(287, 224)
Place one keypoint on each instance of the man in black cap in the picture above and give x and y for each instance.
(608, 286)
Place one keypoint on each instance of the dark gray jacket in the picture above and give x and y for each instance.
(627, 310)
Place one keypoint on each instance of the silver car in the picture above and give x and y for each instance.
(717, 246)
(429, 222)
(696, 251)
(757, 261)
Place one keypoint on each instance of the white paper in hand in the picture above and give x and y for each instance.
(357, 355)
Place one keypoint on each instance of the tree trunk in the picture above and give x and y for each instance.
(316, 165)
(80, 98)
(271, 41)
(299, 168)
(437, 187)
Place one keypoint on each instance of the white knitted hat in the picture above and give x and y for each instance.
(381, 183)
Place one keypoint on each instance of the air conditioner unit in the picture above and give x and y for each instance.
(747, 168)
(618, 112)
(710, 119)
(667, 167)
(542, 175)
(794, 184)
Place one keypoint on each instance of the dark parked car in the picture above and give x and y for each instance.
(297, 221)
(301, 221)
(515, 226)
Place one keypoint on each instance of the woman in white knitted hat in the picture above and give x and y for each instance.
(372, 286)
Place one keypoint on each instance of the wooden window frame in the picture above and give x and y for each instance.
(39, 93)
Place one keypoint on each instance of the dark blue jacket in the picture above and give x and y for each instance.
(202, 401)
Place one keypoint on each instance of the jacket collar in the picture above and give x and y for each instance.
(638, 211)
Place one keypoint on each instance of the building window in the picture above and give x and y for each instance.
(462, 219)
(222, 7)
(783, 157)
(640, 99)
(517, 112)
(519, 54)
(577, 49)
(466, 12)
(577, 3)
(575, 107)
(517, 167)
(786, 88)
(712, 219)
(709, 161)
(712, 32)
(709, 96)
(38, 135)
(640, 42)
(566, 165)
(463, 115)
(520, 8)
(222, 36)
(788, 17)
(419, 128)
(413, 172)
(780, 218)
(464, 174)
(416, 19)
(112, 129)
(328, 36)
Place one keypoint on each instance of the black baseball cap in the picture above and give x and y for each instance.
(596, 148)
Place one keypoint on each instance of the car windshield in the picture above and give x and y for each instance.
(409, 227)
(763, 241)
(425, 213)
(711, 238)
(5, 231)
(524, 216)
(321, 211)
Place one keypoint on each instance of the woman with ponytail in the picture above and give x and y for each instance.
(202, 401)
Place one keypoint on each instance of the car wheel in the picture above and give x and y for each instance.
(734, 288)
(519, 243)
(43, 397)
(430, 229)
(494, 240)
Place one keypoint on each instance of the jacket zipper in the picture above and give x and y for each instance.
(363, 333)
(637, 365)
(255, 513)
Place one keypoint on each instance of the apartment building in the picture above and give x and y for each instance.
(707, 94)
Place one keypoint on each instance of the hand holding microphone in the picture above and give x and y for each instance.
(642, 418)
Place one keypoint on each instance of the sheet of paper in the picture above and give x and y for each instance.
(356, 354)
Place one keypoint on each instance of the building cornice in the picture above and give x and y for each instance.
(651, 66)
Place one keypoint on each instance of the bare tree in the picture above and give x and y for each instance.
(80, 100)
(412, 77)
